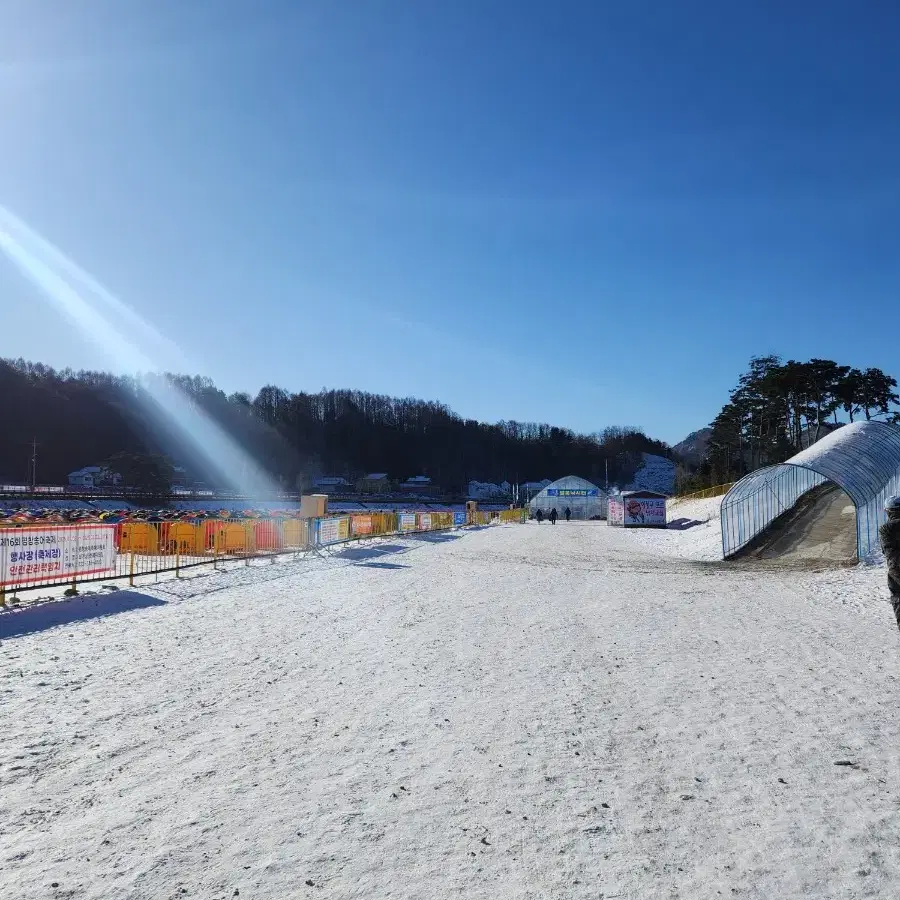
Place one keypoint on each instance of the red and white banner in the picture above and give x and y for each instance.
(56, 553)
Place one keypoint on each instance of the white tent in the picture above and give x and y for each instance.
(585, 500)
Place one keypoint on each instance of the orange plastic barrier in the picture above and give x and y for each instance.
(233, 537)
(138, 537)
(180, 537)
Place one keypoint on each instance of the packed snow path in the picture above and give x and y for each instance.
(517, 712)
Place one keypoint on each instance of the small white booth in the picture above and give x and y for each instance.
(637, 509)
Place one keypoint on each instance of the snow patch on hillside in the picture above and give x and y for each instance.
(656, 473)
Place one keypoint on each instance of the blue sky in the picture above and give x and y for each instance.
(583, 213)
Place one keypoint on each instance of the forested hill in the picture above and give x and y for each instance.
(84, 418)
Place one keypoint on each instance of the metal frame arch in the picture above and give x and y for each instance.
(862, 459)
(582, 507)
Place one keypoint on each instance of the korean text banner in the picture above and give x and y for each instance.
(572, 492)
(56, 553)
(645, 511)
(333, 531)
(362, 524)
(616, 512)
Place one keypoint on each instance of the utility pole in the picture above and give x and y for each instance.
(34, 446)
(606, 461)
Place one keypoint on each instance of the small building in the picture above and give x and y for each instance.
(93, 476)
(583, 499)
(637, 509)
(331, 484)
(374, 483)
(84, 478)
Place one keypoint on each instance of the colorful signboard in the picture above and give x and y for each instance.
(645, 511)
(56, 553)
(407, 521)
(362, 524)
(333, 531)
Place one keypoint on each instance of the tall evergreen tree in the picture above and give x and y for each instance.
(779, 408)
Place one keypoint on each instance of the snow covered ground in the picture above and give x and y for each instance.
(515, 712)
(694, 532)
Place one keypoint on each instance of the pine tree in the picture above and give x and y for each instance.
(778, 408)
(876, 393)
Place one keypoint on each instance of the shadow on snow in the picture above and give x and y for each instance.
(684, 524)
(44, 616)
(359, 554)
(433, 537)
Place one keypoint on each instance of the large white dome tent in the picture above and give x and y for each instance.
(586, 500)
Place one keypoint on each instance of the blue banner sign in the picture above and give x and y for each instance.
(459, 518)
(572, 492)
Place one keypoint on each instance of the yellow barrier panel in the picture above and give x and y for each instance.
(149, 548)
(441, 520)
(233, 538)
(295, 533)
(138, 537)
(180, 537)
(707, 493)
(385, 523)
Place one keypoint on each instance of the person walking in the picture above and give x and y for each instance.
(890, 545)
(553, 516)
(568, 514)
(539, 515)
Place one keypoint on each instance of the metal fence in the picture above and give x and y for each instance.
(718, 490)
(44, 556)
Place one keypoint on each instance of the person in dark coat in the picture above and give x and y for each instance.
(539, 515)
(568, 514)
(890, 545)
(553, 516)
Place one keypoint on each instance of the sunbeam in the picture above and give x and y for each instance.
(103, 319)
